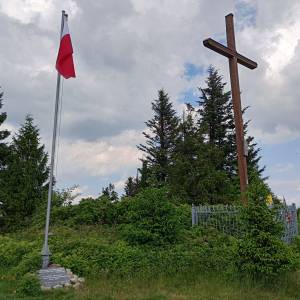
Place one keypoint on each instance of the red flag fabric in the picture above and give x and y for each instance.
(64, 62)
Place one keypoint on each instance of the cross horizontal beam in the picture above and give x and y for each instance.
(221, 49)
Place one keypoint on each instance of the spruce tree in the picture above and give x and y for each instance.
(131, 187)
(195, 175)
(215, 110)
(3, 135)
(145, 176)
(110, 192)
(160, 137)
(217, 123)
(24, 185)
(253, 158)
(4, 149)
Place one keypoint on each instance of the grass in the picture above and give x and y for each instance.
(158, 289)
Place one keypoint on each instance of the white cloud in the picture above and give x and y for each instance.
(124, 52)
(40, 12)
(282, 167)
(287, 188)
(9, 127)
(24, 10)
(99, 158)
(279, 134)
(119, 186)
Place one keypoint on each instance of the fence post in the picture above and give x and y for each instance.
(193, 215)
(295, 218)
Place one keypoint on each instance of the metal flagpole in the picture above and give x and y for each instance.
(45, 251)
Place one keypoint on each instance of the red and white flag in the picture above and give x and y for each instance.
(64, 62)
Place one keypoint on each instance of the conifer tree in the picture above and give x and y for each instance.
(215, 110)
(161, 137)
(253, 158)
(144, 179)
(23, 188)
(131, 187)
(195, 175)
(110, 192)
(217, 122)
(3, 135)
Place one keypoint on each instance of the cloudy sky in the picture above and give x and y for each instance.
(124, 51)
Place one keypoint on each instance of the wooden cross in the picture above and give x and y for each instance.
(235, 58)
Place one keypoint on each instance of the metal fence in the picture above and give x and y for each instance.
(226, 218)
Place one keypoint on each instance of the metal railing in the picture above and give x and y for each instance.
(227, 219)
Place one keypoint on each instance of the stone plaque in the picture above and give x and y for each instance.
(55, 276)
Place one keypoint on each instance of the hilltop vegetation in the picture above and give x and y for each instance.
(148, 238)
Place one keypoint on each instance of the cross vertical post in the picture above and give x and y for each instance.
(237, 107)
(235, 58)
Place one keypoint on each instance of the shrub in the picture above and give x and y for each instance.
(88, 212)
(94, 211)
(12, 251)
(150, 218)
(30, 263)
(261, 254)
(29, 285)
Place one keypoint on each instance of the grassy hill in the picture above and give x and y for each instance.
(145, 248)
(131, 272)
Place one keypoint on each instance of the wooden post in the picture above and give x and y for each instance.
(235, 58)
(237, 107)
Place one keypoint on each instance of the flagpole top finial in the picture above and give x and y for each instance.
(63, 12)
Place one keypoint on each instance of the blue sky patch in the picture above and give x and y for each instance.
(189, 96)
(192, 70)
(246, 13)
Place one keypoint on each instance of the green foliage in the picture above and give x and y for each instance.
(29, 285)
(3, 135)
(110, 192)
(23, 185)
(212, 252)
(150, 218)
(13, 251)
(194, 174)
(4, 151)
(64, 197)
(196, 250)
(19, 257)
(261, 254)
(160, 137)
(195, 178)
(145, 176)
(131, 187)
(98, 211)
(89, 212)
(215, 110)
(30, 262)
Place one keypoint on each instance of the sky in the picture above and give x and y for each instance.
(124, 52)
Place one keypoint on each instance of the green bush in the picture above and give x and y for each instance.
(19, 257)
(30, 263)
(13, 251)
(95, 211)
(91, 251)
(88, 212)
(29, 285)
(261, 254)
(150, 218)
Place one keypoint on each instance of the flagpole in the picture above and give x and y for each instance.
(45, 251)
